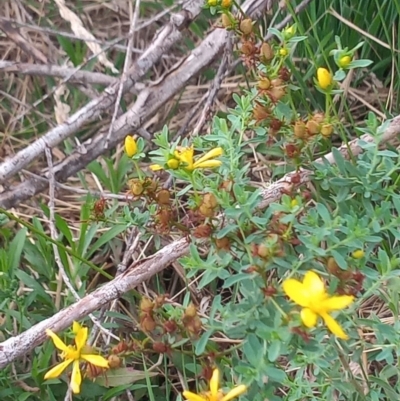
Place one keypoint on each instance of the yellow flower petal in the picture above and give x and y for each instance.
(81, 337)
(76, 378)
(214, 383)
(314, 285)
(212, 154)
(76, 327)
(295, 290)
(156, 167)
(336, 302)
(57, 370)
(185, 155)
(130, 146)
(334, 326)
(57, 341)
(308, 317)
(207, 164)
(193, 396)
(324, 78)
(235, 392)
(96, 360)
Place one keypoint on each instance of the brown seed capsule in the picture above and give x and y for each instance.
(291, 150)
(326, 130)
(263, 251)
(114, 361)
(191, 311)
(146, 305)
(160, 347)
(163, 197)
(170, 326)
(226, 22)
(266, 52)
(299, 129)
(276, 93)
(206, 211)
(135, 187)
(319, 117)
(264, 83)
(210, 200)
(313, 127)
(223, 243)
(147, 323)
(284, 74)
(246, 26)
(276, 124)
(277, 82)
(260, 112)
(202, 231)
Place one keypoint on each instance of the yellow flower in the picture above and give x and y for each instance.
(358, 254)
(74, 354)
(130, 146)
(344, 61)
(289, 32)
(184, 158)
(215, 394)
(212, 3)
(324, 78)
(311, 295)
(283, 52)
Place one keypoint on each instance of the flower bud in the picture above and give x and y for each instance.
(289, 32)
(344, 61)
(358, 254)
(173, 164)
(130, 146)
(283, 52)
(212, 3)
(226, 3)
(246, 26)
(324, 78)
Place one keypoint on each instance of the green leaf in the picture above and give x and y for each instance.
(15, 250)
(121, 376)
(202, 342)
